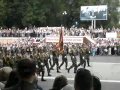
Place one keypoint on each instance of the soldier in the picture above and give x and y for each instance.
(46, 57)
(55, 60)
(41, 66)
(87, 56)
(64, 59)
(73, 58)
(7, 61)
(82, 57)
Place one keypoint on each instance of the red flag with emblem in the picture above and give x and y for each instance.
(61, 41)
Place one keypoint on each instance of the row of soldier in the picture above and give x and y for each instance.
(42, 57)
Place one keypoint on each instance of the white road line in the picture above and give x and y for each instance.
(103, 63)
(98, 63)
(108, 81)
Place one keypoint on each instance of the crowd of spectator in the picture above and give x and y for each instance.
(44, 31)
(103, 46)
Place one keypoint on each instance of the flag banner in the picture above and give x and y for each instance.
(61, 41)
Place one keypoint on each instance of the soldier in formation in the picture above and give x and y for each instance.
(40, 62)
(82, 57)
(55, 54)
(64, 60)
(41, 55)
(73, 53)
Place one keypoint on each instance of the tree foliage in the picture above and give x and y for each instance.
(25, 13)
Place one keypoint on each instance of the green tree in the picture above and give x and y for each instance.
(2, 12)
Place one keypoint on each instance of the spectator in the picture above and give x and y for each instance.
(96, 83)
(1, 63)
(83, 80)
(59, 82)
(26, 70)
(4, 73)
(12, 80)
(68, 87)
(2, 85)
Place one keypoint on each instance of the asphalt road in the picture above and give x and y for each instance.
(107, 68)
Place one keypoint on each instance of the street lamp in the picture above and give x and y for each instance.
(64, 13)
(64, 18)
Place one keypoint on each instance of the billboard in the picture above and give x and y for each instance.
(111, 35)
(93, 12)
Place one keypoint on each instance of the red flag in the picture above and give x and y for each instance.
(59, 45)
(61, 41)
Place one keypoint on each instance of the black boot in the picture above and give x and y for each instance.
(49, 74)
(58, 72)
(68, 70)
(43, 79)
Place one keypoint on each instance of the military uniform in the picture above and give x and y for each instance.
(55, 60)
(64, 60)
(41, 66)
(87, 56)
(73, 59)
(46, 56)
(82, 57)
(7, 61)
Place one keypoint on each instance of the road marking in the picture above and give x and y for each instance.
(97, 63)
(71, 79)
(103, 63)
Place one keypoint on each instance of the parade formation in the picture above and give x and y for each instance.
(46, 57)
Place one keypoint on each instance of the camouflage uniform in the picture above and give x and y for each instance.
(46, 56)
(82, 57)
(7, 61)
(55, 60)
(64, 60)
(87, 56)
(41, 68)
(73, 59)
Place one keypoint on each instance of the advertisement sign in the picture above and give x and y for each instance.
(93, 12)
(66, 39)
(111, 35)
(118, 34)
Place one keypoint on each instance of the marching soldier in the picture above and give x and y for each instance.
(64, 59)
(82, 57)
(87, 56)
(41, 66)
(55, 60)
(7, 61)
(46, 57)
(73, 58)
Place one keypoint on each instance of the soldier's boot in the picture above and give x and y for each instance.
(42, 78)
(61, 64)
(50, 63)
(68, 70)
(66, 65)
(39, 72)
(88, 62)
(49, 73)
(84, 64)
(75, 69)
(52, 66)
(58, 69)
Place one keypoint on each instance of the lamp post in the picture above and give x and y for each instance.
(64, 18)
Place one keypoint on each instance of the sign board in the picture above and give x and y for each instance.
(66, 39)
(111, 35)
(93, 12)
(118, 34)
(7, 40)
